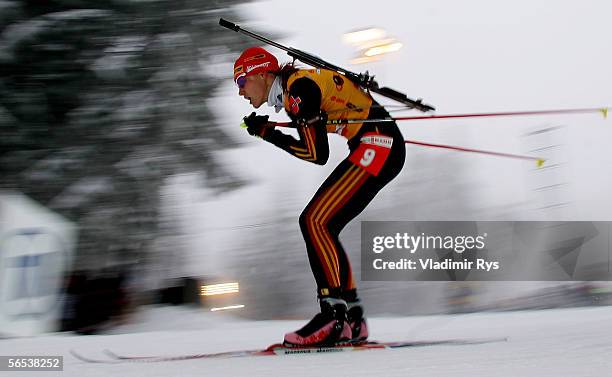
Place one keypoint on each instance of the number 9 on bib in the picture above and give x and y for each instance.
(372, 152)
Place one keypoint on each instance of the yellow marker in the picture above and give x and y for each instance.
(540, 162)
(604, 111)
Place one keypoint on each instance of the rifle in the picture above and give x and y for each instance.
(364, 80)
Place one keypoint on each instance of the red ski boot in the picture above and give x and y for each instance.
(329, 327)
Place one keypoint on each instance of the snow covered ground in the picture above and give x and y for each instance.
(564, 342)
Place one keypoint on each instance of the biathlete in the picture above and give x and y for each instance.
(377, 152)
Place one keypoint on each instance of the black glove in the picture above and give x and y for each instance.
(257, 125)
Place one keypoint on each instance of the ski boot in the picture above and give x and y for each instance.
(327, 328)
(357, 322)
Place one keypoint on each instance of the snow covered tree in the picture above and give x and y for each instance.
(101, 102)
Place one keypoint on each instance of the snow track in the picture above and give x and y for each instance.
(564, 342)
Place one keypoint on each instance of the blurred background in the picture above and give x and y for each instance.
(126, 181)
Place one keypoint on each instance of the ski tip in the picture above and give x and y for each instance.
(271, 347)
(604, 112)
(86, 359)
(243, 125)
(78, 356)
(540, 162)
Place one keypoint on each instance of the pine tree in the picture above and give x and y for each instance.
(101, 102)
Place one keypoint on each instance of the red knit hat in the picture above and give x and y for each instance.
(254, 60)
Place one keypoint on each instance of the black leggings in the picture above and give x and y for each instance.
(341, 197)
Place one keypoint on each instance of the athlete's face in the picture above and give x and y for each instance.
(254, 89)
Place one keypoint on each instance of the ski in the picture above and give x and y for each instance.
(87, 359)
(281, 350)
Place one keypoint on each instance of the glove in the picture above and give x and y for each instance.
(257, 125)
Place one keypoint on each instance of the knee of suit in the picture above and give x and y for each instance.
(303, 219)
(307, 220)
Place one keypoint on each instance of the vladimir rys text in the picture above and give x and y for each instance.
(430, 264)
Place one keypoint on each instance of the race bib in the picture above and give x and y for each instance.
(372, 152)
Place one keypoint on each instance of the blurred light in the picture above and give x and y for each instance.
(376, 43)
(372, 42)
(364, 59)
(226, 308)
(361, 36)
(379, 50)
(219, 289)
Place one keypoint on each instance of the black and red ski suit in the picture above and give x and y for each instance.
(377, 153)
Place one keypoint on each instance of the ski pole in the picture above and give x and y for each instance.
(538, 160)
(602, 110)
